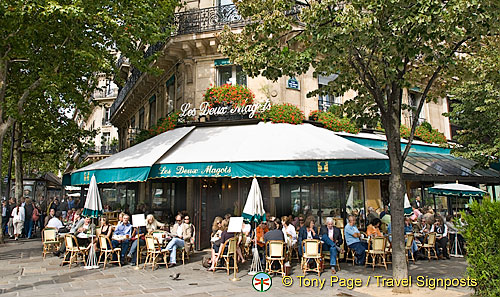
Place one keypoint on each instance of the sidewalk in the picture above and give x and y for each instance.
(23, 272)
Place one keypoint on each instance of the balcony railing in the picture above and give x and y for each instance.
(207, 19)
(188, 22)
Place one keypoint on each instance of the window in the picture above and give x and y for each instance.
(141, 118)
(327, 100)
(413, 101)
(106, 115)
(132, 122)
(231, 74)
(152, 111)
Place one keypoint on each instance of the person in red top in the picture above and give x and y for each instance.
(260, 231)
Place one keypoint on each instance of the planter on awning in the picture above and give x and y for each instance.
(238, 151)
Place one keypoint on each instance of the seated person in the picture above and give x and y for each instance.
(332, 240)
(106, 228)
(81, 233)
(182, 232)
(374, 228)
(52, 213)
(138, 233)
(274, 233)
(289, 229)
(441, 237)
(260, 231)
(55, 222)
(223, 238)
(152, 224)
(123, 229)
(307, 231)
(352, 238)
(422, 228)
(215, 237)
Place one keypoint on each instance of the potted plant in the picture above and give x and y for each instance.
(230, 96)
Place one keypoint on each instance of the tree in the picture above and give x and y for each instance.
(377, 48)
(50, 50)
(476, 102)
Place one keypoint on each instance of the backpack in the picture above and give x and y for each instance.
(36, 214)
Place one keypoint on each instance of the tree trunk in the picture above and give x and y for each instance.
(1, 176)
(392, 123)
(18, 164)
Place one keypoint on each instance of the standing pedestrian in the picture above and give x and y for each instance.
(12, 205)
(28, 218)
(63, 207)
(5, 216)
(18, 220)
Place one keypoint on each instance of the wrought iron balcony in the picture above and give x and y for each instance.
(206, 19)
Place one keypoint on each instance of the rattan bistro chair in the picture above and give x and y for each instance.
(409, 243)
(376, 250)
(153, 252)
(311, 250)
(107, 252)
(49, 240)
(231, 252)
(73, 251)
(430, 245)
(292, 249)
(275, 251)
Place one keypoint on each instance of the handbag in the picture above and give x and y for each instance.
(36, 215)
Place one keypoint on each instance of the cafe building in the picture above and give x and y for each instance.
(207, 168)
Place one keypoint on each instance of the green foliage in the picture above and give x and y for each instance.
(482, 235)
(476, 104)
(50, 52)
(235, 95)
(333, 122)
(283, 113)
(424, 132)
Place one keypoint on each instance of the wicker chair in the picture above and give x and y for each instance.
(408, 245)
(275, 251)
(107, 252)
(311, 250)
(376, 250)
(153, 252)
(430, 245)
(74, 251)
(49, 240)
(231, 252)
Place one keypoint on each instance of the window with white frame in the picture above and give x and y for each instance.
(327, 100)
(231, 74)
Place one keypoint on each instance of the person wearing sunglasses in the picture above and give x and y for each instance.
(183, 232)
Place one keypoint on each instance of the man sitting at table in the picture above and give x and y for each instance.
(352, 238)
(124, 229)
(182, 232)
(441, 237)
(332, 240)
(55, 222)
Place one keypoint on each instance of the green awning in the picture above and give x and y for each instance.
(299, 168)
(112, 175)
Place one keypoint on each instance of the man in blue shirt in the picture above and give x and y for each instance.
(352, 236)
(126, 230)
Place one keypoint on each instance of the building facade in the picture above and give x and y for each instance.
(191, 64)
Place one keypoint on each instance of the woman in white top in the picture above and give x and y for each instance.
(18, 220)
(152, 224)
(289, 229)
